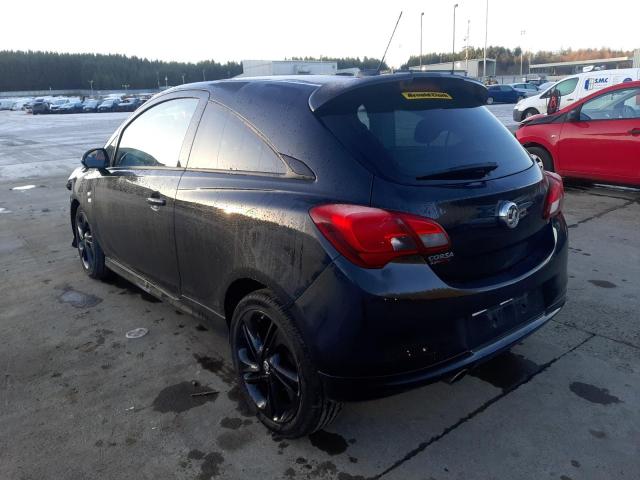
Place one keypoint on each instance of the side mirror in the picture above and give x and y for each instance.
(573, 115)
(96, 158)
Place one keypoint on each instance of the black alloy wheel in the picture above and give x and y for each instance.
(275, 370)
(91, 254)
(267, 367)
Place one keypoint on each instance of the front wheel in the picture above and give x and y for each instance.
(275, 371)
(530, 112)
(541, 157)
(91, 254)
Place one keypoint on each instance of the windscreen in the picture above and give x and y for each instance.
(416, 145)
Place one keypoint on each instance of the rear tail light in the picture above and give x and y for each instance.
(371, 237)
(555, 195)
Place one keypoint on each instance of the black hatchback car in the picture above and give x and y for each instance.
(359, 236)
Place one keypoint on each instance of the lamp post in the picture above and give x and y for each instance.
(91, 84)
(522, 34)
(183, 78)
(486, 32)
(421, 15)
(466, 49)
(453, 51)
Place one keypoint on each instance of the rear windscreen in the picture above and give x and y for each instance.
(407, 145)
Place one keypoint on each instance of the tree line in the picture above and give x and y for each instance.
(508, 60)
(36, 70)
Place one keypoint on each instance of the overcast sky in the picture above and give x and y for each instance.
(193, 30)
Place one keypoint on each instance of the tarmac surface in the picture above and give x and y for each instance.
(79, 400)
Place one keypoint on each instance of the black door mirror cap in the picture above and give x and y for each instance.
(573, 115)
(95, 158)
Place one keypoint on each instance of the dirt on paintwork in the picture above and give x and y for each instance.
(129, 288)
(201, 328)
(593, 394)
(78, 299)
(331, 443)
(179, 398)
(506, 371)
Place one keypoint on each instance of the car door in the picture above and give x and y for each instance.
(134, 199)
(603, 143)
(232, 172)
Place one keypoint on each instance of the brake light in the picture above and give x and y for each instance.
(555, 195)
(372, 237)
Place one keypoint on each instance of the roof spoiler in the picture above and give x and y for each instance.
(410, 91)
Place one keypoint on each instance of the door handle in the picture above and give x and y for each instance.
(156, 202)
(634, 131)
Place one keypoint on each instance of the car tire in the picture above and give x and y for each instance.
(541, 157)
(275, 370)
(530, 112)
(489, 100)
(90, 251)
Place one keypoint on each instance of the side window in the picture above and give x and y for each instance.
(225, 142)
(154, 139)
(619, 104)
(111, 146)
(567, 86)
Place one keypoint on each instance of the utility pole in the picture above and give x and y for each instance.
(125, 86)
(203, 77)
(183, 78)
(421, 15)
(522, 33)
(466, 48)
(453, 51)
(91, 83)
(486, 32)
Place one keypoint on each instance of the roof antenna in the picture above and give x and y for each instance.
(385, 51)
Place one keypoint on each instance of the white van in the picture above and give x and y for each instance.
(573, 88)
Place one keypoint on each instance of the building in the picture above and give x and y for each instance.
(470, 68)
(578, 66)
(257, 68)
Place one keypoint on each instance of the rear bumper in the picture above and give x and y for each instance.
(375, 332)
(366, 388)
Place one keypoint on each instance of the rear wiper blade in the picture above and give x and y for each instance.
(474, 170)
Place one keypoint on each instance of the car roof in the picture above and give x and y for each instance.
(320, 88)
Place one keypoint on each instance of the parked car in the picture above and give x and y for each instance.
(7, 104)
(90, 105)
(504, 94)
(109, 105)
(573, 88)
(21, 104)
(129, 105)
(39, 106)
(358, 239)
(56, 103)
(74, 106)
(596, 138)
(527, 87)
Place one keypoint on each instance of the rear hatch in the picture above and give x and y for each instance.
(439, 153)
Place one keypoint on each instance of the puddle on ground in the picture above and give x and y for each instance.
(593, 394)
(603, 283)
(79, 299)
(506, 371)
(331, 443)
(178, 398)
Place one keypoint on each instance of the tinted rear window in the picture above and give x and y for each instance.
(405, 144)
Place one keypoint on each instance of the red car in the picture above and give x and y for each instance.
(596, 138)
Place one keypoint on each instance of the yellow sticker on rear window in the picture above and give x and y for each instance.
(426, 96)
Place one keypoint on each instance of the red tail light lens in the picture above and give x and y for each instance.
(371, 237)
(555, 195)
